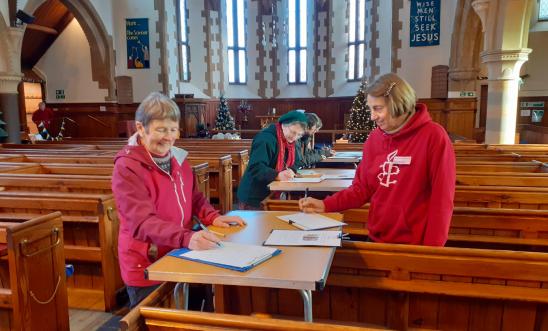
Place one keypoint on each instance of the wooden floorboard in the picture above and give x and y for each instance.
(86, 299)
(86, 320)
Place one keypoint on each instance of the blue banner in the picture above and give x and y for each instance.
(138, 54)
(424, 23)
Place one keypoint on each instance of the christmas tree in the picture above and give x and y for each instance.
(224, 120)
(3, 132)
(360, 116)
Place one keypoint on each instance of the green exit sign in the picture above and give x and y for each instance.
(59, 94)
(467, 94)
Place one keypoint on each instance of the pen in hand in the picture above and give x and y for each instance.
(203, 227)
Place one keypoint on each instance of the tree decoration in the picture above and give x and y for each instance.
(360, 117)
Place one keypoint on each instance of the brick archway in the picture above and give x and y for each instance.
(100, 42)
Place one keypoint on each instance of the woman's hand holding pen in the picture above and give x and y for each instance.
(203, 240)
(311, 205)
(286, 174)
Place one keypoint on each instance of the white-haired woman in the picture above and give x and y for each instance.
(156, 196)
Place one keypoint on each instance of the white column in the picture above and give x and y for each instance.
(503, 75)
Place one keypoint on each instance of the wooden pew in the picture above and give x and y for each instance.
(60, 171)
(155, 313)
(33, 292)
(90, 238)
(514, 179)
(518, 229)
(220, 178)
(501, 166)
(404, 286)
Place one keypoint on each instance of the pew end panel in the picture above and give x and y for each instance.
(36, 267)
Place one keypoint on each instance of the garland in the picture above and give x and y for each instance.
(45, 134)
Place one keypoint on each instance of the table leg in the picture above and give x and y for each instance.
(307, 301)
(185, 295)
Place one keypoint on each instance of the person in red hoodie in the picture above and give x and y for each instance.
(407, 172)
(156, 196)
(43, 115)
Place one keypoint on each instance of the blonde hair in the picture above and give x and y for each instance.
(157, 106)
(400, 96)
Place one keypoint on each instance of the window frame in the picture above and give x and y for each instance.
(235, 48)
(357, 41)
(542, 19)
(181, 43)
(298, 48)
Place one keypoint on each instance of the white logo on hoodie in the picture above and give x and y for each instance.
(388, 170)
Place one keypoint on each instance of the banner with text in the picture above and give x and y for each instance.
(424, 23)
(138, 54)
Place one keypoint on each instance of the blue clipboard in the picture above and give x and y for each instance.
(177, 253)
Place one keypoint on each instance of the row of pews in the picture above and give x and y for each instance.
(76, 180)
(493, 275)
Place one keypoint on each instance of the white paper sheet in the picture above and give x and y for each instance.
(310, 221)
(304, 238)
(304, 180)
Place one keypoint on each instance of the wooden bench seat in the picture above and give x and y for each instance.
(155, 312)
(90, 237)
(470, 226)
(33, 292)
(404, 286)
(220, 178)
(501, 166)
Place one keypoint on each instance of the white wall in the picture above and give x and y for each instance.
(537, 83)
(67, 66)
(4, 12)
(417, 62)
(104, 10)
(144, 80)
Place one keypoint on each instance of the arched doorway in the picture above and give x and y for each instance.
(100, 42)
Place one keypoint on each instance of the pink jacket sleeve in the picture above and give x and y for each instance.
(135, 204)
(354, 196)
(443, 177)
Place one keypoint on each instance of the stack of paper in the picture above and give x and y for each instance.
(347, 155)
(305, 179)
(310, 221)
(304, 238)
(234, 256)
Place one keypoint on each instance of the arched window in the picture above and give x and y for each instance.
(356, 39)
(184, 50)
(543, 10)
(236, 41)
(297, 42)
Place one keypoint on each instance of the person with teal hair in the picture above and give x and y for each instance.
(273, 156)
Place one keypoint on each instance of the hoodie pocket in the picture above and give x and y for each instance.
(388, 223)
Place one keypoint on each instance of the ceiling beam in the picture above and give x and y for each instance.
(42, 28)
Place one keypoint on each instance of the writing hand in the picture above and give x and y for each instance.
(311, 205)
(203, 240)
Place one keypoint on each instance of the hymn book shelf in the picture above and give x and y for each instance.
(300, 268)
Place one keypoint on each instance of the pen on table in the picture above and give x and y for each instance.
(206, 229)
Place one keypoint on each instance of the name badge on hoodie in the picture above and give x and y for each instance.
(402, 160)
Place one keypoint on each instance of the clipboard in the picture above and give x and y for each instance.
(206, 256)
